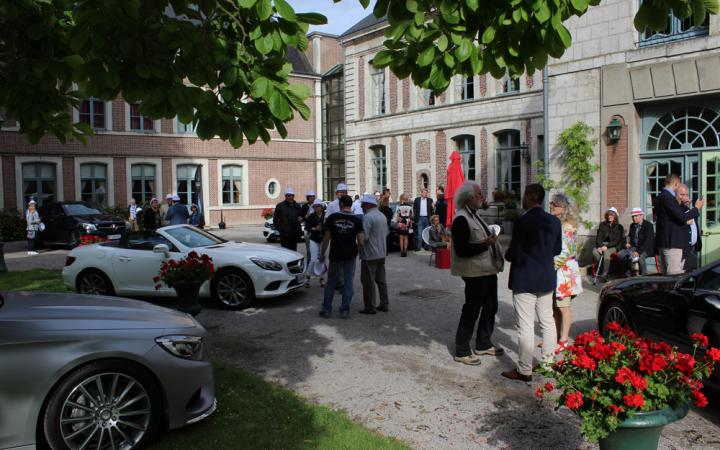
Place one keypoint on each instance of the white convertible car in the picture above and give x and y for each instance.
(126, 267)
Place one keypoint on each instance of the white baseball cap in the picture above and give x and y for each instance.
(341, 187)
(318, 268)
(176, 198)
(318, 202)
(289, 191)
(367, 198)
(310, 194)
(169, 197)
(637, 212)
(613, 209)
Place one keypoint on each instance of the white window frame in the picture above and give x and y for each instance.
(176, 130)
(157, 162)
(156, 123)
(203, 163)
(375, 92)
(267, 186)
(108, 115)
(244, 195)
(110, 182)
(20, 160)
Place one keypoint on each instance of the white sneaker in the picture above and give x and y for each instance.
(30, 253)
(34, 253)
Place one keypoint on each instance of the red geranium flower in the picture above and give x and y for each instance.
(714, 354)
(548, 387)
(685, 364)
(699, 399)
(613, 326)
(585, 362)
(574, 400)
(614, 409)
(700, 339)
(651, 363)
(634, 400)
(539, 392)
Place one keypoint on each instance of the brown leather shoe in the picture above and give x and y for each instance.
(515, 375)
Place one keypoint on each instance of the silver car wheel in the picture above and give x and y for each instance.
(107, 410)
(94, 284)
(232, 289)
(616, 314)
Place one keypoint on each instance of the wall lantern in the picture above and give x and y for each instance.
(614, 131)
(526, 152)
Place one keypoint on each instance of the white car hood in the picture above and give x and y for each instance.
(248, 249)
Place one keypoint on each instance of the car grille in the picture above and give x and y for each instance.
(296, 266)
(108, 228)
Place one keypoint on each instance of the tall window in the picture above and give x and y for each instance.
(429, 97)
(232, 184)
(93, 183)
(379, 163)
(188, 183)
(185, 128)
(509, 85)
(468, 88)
(39, 182)
(92, 112)
(138, 122)
(676, 29)
(424, 181)
(378, 90)
(509, 161)
(465, 145)
(143, 182)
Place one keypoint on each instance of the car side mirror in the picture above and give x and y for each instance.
(687, 284)
(713, 301)
(162, 248)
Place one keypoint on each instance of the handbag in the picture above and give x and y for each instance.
(41, 227)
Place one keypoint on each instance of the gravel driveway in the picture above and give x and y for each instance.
(394, 373)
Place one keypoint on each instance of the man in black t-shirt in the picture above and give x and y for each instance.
(344, 235)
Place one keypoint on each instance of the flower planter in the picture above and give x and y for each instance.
(188, 293)
(642, 431)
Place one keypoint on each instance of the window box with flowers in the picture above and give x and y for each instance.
(186, 276)
(625, 388)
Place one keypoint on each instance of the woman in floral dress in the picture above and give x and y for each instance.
(568, 270)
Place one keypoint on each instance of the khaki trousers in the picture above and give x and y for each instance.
(527, 306)
(671, 261)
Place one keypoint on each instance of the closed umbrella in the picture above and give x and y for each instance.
(455, 177)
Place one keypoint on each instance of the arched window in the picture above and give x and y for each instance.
(424, 181)
(465, 144)
(39, 182)
(93, 183)
(508, 161)
(188, 183)
(379, 165)
(692, 127)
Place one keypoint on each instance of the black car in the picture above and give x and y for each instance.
(66, 223)
(667, 308)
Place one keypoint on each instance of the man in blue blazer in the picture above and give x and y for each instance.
(536, 239)
(671, 232)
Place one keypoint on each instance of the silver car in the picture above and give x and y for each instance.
(91, 372)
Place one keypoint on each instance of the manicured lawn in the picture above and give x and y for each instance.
(252, 413)
(32, 280)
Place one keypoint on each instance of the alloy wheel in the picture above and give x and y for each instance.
(616, 314)
(232, 289)
(94, 284)
(105, 411)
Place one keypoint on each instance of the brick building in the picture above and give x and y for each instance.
(133, 156)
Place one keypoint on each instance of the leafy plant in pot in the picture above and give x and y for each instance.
(186, 275)
(624, 388)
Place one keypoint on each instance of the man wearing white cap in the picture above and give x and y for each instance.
(640, 244)
(334, 206)
(177, 213)
(164, 209)
(372, 256)
(287, 220)
(609, 239)
(305, 210)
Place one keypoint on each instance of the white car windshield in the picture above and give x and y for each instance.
(193, 237)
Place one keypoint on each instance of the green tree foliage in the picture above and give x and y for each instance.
(577, 146)
(223, 63)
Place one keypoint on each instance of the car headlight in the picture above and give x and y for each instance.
(267, 264)
(186, 347)
(89, 227)
(268, 225)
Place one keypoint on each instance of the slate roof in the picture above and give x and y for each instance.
(368, 22)
(299, 62)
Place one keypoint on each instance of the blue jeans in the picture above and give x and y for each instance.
(347, 268)
(422, 223)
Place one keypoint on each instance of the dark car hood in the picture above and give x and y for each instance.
(99, 218)
(657, 279)
(87, 312)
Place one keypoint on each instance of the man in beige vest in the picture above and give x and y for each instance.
(477, 258)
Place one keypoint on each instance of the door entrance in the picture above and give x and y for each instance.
(709, 214)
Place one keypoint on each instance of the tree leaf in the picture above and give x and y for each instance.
(488, 35)
(426, 57)
(462, 53)
(279, 107)
(285, 10)
(472, 4)
(264, 9)
(260, 88)
(442, 43)
(311, 18)
(383, 58)
(73, 60)
(542, 11)
(564, 35)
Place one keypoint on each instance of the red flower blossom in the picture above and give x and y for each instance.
(700, 339)
(685, 364)
(539, 392)
(699, 399)
(574, 400)
(613, 326)
(651, 363)
(585, 362)
(714, 354)
(614, 409)
(624, 375)
(156, 279)
(634, 400)
(548, 387)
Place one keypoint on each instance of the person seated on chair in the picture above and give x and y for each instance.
(610, 238)
(438, 236)
(640, 244)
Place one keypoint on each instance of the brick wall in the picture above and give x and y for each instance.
(166, 126)
(529, 81)
(9, 191)
(361, 87)
(393, 163)
(166, 179)
(68, 173)
(406, 94)
(393, 93)
(617, 171)
(482, 84)
(407, 166)
(362, 179)
(422, 151)
(484, 161)
(441, 158)
(118, 114)
(213, 181)
(121, 195)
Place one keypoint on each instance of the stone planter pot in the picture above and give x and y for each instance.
(642, 431)
(188, 293)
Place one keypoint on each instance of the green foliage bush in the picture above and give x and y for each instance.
(12, 225)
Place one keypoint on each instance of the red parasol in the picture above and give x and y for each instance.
(455, 177)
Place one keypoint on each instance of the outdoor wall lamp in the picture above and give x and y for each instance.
(614, 131)
(525, 152)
